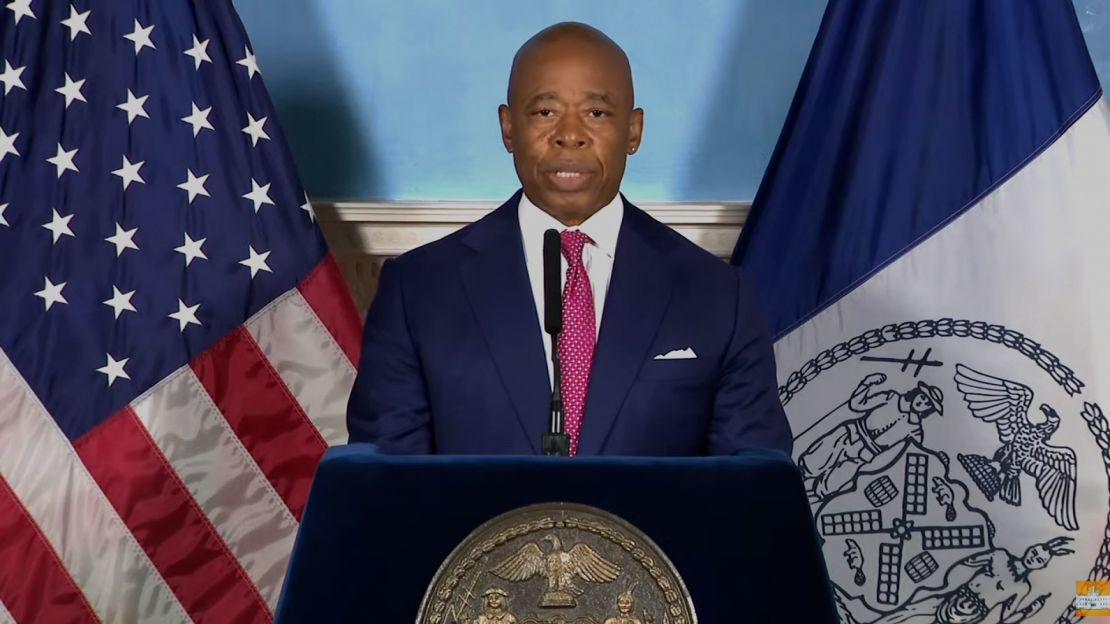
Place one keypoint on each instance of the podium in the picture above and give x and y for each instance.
(376, 529)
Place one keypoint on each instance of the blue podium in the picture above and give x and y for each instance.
(377, 528)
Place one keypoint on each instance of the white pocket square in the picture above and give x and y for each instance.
(678, 354)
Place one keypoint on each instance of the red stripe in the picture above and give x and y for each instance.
(169, 525)
(263, 414)
(34, 585)
(327, 294)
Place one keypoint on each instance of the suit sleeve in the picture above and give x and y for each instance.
(747, 412)
(389, 402)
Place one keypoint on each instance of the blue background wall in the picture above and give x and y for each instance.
(397, 100)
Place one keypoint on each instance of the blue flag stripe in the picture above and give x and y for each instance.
(897, 126)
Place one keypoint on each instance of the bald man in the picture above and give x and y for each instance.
(662, 349)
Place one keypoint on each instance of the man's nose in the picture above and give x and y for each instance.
(570, 134)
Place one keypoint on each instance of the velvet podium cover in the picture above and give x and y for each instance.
(377, 527)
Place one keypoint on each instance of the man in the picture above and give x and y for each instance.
(887, 418)
(998, 581)
(663, 352)
(495, 612)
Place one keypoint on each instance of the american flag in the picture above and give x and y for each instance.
(176, 344)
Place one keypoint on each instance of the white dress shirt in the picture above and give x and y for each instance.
(602, 227)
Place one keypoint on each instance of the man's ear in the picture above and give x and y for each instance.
(635, 130)
(503, 115)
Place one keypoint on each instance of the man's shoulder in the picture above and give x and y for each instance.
(461, 243)
(683, 255)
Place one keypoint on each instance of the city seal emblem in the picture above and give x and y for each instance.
(557, 563)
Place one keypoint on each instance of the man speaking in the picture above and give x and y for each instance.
(660, 346)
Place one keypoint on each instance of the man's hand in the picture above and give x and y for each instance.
(873, 379)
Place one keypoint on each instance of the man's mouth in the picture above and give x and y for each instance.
(569, 179)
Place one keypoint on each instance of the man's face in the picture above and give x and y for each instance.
(570, 126)
(1035, 558)
(921, 405)
(494, 601)
(624, 605)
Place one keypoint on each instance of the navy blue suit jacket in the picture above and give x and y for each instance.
(453, 358)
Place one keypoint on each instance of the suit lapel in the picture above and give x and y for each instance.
(496, 282)
(639, 291)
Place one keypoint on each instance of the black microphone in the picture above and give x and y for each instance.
(555, 440)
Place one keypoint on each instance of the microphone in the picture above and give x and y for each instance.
(555, 441)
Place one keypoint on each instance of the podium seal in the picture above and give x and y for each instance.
(557, 563)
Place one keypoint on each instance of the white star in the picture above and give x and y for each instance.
(307, 207)
(76, 23)
(72, 90)
(51, 293)
(256, 261)
(3, 221)
(59, 225)
(199, 51)
(249, 62)
(114, 369)
(63, 160)
(259, 195)
(129, 172)
(134, 106)
(141, 37)
(123, 239)
(191, 249)
(198, 119)
(11, 78)
(121, 301)
(7, 144)
(194, 185)
(185, 315)
(254, 129)
(21, 8)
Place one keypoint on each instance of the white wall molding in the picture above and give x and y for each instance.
(363, 234)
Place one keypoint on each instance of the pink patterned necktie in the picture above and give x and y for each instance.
(576, 343)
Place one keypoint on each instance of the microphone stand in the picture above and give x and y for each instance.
(555, 441)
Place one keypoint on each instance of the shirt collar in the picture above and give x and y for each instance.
(603, 227)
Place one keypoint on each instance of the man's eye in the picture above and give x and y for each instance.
(597, 113)
(545, 112)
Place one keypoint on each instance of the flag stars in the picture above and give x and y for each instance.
(198, 119)
(255, 130)
(11, 77)
(21, 9)
(121, 301)
(307, 207)
(59, 225)
(129, 172)
(51, 293)
(123, 239)
(194, 185)
(191, 249)
(256, 261)
(72, 90)
(199, 52)
(114, 369)
(250, 62)
(260, 195)
(134, 107)
(63, 160)
(76, 23)
(7, 144)
(141, 37)
(186, 315)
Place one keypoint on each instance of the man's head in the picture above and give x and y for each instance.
(569, 121)
(925, 400)
(495, 597)
(1037, 556)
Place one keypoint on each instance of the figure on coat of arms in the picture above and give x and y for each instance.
(495, 612)
(624, 609)
(998, 580)
(887, 418)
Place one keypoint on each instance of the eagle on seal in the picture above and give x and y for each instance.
(559, 567)
(1025, 447)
